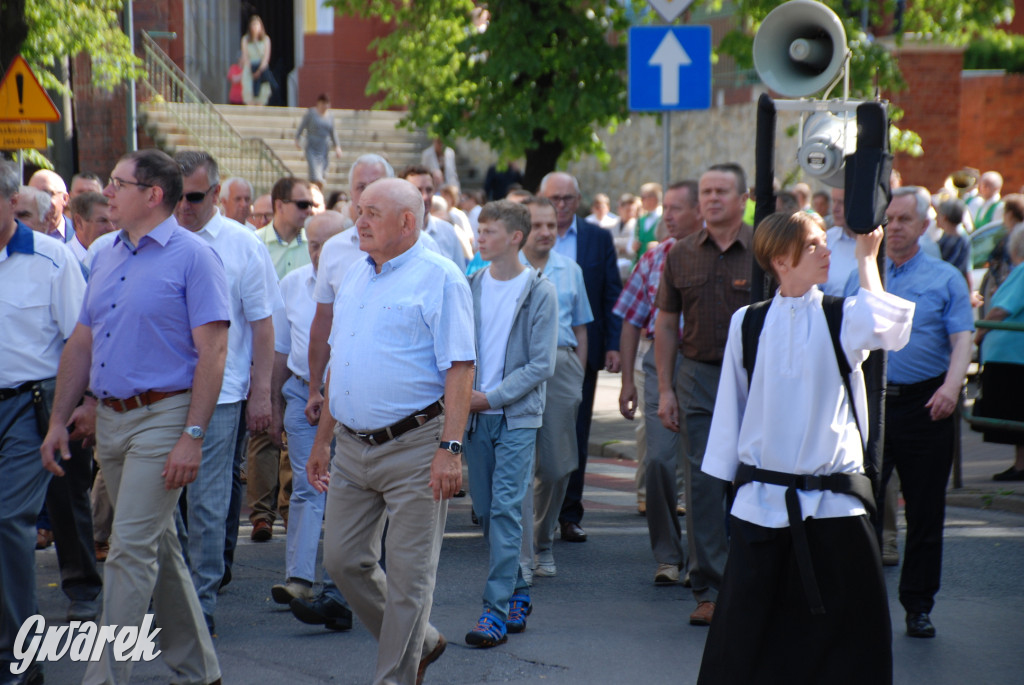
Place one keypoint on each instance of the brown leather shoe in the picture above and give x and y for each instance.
(430, 658)
(572, 532)
(703, 614)
(261, 531)
(44, 538)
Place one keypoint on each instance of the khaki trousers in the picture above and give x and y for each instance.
(368, 486)
(145, 557)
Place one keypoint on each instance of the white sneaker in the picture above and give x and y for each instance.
(285, 593)
(667, 574)
(545, 566)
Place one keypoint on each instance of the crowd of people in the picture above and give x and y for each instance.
(176, 344)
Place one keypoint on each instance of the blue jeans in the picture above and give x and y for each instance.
(207, 499)
(500, 466)
(306, 507)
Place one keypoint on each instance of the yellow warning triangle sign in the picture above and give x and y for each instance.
(21, 96)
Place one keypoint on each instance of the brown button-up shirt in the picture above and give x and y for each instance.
(706, 285)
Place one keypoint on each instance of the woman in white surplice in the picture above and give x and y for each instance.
(796, 418)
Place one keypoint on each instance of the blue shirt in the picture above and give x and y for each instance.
(565, 245)
(395, 335)
(943, 308)
(142, 304)
(573, 305)
(1007, 346)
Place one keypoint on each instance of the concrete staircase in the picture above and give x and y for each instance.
(358, 131)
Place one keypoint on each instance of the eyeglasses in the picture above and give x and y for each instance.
(301, 204)
(118, 183)
(197, 197)
(262, 216)
(561, 199)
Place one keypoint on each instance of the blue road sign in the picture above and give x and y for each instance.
(669, 68)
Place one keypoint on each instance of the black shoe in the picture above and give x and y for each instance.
(225, 579)
(919, 625)
(572, 532)
(323, 610)
(1009, 474)
(210, 624)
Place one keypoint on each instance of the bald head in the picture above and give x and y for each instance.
(390, 215)
(53, 185)
(321, 228)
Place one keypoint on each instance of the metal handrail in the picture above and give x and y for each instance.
(168, 88)
(1000, 325)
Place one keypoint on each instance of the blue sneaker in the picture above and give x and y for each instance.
(489, 632)
(519, 607)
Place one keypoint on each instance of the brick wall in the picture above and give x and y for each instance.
(990, 133)
(931, 103)
(339, 64)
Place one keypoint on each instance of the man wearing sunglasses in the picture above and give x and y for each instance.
(253, 296)
(285, 237)
(268, 471)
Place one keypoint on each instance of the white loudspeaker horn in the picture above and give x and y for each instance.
(800, 48)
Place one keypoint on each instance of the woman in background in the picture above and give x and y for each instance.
(256, 54)
(318, 125)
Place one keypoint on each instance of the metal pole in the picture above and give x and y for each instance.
(131, 139)
(666, 124)
(764, 182)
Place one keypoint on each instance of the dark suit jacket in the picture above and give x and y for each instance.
(595, 253)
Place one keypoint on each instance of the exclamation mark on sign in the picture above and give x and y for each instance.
(19, 81)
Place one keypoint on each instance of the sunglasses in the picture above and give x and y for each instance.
(197, 197)
(301, 204)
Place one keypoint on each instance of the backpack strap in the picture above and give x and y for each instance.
(753, 322)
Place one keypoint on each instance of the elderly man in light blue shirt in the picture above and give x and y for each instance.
(556, 446)
(399, 385)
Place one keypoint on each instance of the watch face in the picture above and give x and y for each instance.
(194, 432)
(453, 446)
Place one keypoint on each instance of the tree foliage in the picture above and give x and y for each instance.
(537, 82)
(58, 29)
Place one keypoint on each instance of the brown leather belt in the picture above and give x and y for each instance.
(398, 428)
(143, 399)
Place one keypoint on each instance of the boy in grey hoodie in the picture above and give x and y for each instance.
(516, 314)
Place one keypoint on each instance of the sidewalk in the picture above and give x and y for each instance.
(613, 437)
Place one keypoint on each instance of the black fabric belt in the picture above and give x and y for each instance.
(415, 420)
(898, 389)
(856, 484)
(8, 393)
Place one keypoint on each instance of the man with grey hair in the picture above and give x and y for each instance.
(925, 380)
(253, 297)
(987, 206)
(236, 199)
(30, 208)
(35, 267)
(592, 248)
(57, 225)
(338, 254)
(404, 319)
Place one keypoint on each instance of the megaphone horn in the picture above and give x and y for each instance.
(800, 48)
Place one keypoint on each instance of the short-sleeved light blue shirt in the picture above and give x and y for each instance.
(1007, 346)
(573, 305)
(943, 308)
(395, 335)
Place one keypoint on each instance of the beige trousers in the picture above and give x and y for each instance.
(145, 557)
(368, 486)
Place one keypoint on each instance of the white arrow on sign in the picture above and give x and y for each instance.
(670, 9)
(670, 55)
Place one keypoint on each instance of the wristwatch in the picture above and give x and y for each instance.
(453, 446)
(194, 432)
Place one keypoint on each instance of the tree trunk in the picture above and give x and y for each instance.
(13, 31)
(540, 159)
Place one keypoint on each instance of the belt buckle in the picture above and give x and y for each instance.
(124, 407)
(367, 438)
(810, 482)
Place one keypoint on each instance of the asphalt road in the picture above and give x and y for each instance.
(600, 620)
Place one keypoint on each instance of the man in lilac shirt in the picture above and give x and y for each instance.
(150, 344)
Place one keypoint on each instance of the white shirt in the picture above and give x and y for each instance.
(41, 292)
(842, 262)
(609, 221)
(497, 309)
(78, 249)
(253, 292)
(444, 234)
(474, 218)
(292, 322)
(338, 254)
(797, 416)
